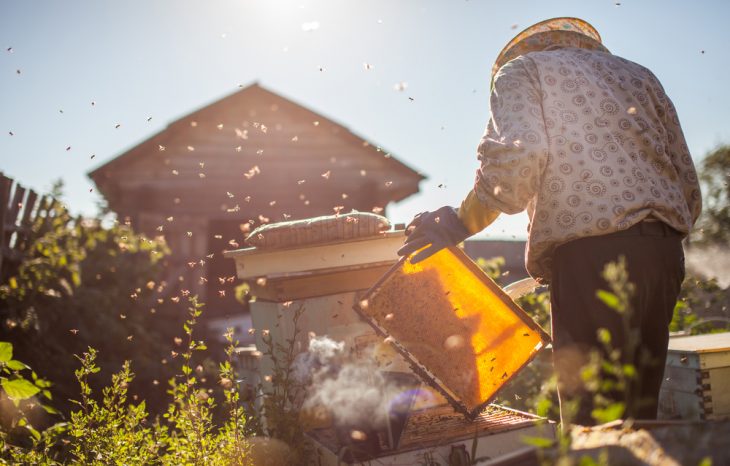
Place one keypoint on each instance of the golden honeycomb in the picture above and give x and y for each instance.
(465, 336)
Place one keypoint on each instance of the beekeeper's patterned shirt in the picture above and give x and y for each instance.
(589, 144)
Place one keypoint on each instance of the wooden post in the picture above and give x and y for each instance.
(5, 186)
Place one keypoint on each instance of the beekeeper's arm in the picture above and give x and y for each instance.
(514, 149)
(512, 152)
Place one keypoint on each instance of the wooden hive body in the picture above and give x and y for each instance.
(697, 378)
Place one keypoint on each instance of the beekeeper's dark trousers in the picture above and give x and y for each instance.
(655, 264)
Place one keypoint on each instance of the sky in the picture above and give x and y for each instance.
(82, 81)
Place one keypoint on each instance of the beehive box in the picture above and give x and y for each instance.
(697, 378)
(436, 431)
(459, 331)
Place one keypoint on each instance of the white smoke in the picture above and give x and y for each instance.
(354, 391)
(326, 349)
(710, 262)
(322, 354)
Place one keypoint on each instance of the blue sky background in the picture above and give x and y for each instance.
(164, 58)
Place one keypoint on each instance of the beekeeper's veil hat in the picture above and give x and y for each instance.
(560, 32)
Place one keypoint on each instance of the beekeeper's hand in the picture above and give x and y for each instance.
(439, 229)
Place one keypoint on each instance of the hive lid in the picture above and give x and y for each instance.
(317, 258)
(709, 343)
(456, 327)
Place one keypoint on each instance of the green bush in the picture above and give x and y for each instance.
(117, 431)
(84, 284)
(703, 307)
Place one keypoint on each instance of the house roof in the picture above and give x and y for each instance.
(237, 102)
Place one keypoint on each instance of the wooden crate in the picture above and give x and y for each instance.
(697, 378)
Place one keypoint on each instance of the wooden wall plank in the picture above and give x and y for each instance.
(5, 186)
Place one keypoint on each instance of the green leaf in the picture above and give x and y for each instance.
(241, 291)
(706, 461)
(586, 460)
(50, 409)
(609, 299)
(543, 407)
(629, 371)
(539, 442)
(6, 351)
(610, 413)
(16, 365)
(42, 383)
(604, 336)
(19, 389)
(76, 279)
(36, 435)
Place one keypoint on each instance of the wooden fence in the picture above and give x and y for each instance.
(24, 216)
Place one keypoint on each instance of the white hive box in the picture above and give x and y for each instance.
(318, 269)
(324, 279)
(697, 378)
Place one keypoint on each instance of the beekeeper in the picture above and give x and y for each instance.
(591, 146)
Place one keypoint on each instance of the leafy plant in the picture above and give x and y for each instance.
(21, 392)
(84, 284)
(116, 430)
(196, 439)
(113, 431)
(492, 266)
(703, 307)
(283, 394)
(714, 174)
(613, 371)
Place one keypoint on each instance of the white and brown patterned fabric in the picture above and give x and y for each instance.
(589, 144)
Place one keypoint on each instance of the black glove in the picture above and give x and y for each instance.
(440, 229)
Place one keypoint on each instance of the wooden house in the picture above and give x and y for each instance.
(249, 158)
